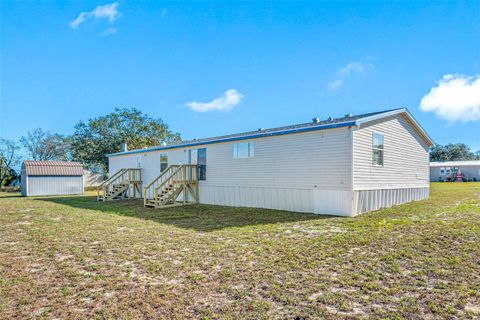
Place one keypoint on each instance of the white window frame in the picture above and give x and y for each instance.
(382, 149)
(250, 147)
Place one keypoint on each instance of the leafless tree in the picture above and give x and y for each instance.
(44, 146)
(9, 158)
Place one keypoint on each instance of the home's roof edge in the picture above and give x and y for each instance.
(455, 163)
(393, 112)
(356, 122)
(245, 137)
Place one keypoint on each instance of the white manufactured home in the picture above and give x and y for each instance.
(344, 166)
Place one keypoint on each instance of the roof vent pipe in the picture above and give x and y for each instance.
(315, 120)
(124, 147)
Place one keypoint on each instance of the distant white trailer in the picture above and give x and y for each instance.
(343, 166)
(49, 178)
(448, 170)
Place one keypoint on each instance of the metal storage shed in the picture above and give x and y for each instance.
(48, 178)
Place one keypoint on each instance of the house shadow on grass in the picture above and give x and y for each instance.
(198, 217)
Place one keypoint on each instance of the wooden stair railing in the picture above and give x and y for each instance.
(149, 190)
(118, 185)
(176, 180)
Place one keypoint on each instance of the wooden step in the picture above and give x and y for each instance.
(150, 204)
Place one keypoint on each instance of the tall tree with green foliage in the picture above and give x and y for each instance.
(452, 152)
(94, 139)
(9, 158)
(44, 146)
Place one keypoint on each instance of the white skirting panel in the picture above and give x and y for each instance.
(289, 199)
(369, 200)
(333, 202)
(329, 202)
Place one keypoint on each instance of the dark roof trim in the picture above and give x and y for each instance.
(251, 136)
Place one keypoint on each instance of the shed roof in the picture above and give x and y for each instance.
(52, 168)
(455, 163)
(346, 121)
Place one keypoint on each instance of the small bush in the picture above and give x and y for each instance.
(10, 189)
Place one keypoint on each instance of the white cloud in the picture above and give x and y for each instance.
(455, 98)
(335, 84)
(108, 11)
(226, 102)
(108, 32)
(347, 71)
(352, 67)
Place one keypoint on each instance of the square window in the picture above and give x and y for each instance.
(377, 141)
(163, 162)
(243, 150)
(378, 157)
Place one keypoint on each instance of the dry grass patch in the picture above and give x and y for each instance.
(73, 257)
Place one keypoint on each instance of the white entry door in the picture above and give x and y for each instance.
(199, 157)
(192, 156)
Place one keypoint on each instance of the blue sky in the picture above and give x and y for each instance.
(216, 68)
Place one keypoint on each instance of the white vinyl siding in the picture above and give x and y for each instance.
(318, 159)
(406, 156)
(139, 161)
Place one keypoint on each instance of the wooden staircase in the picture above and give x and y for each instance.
(119, 185)
(177, 181)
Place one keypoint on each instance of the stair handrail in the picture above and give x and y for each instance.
(107, 182)
(148, 188)
(114, 177)
(118, 175)
(173, 175)
(171, 179)
(161, 175)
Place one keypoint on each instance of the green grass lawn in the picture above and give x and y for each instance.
(73, 257)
